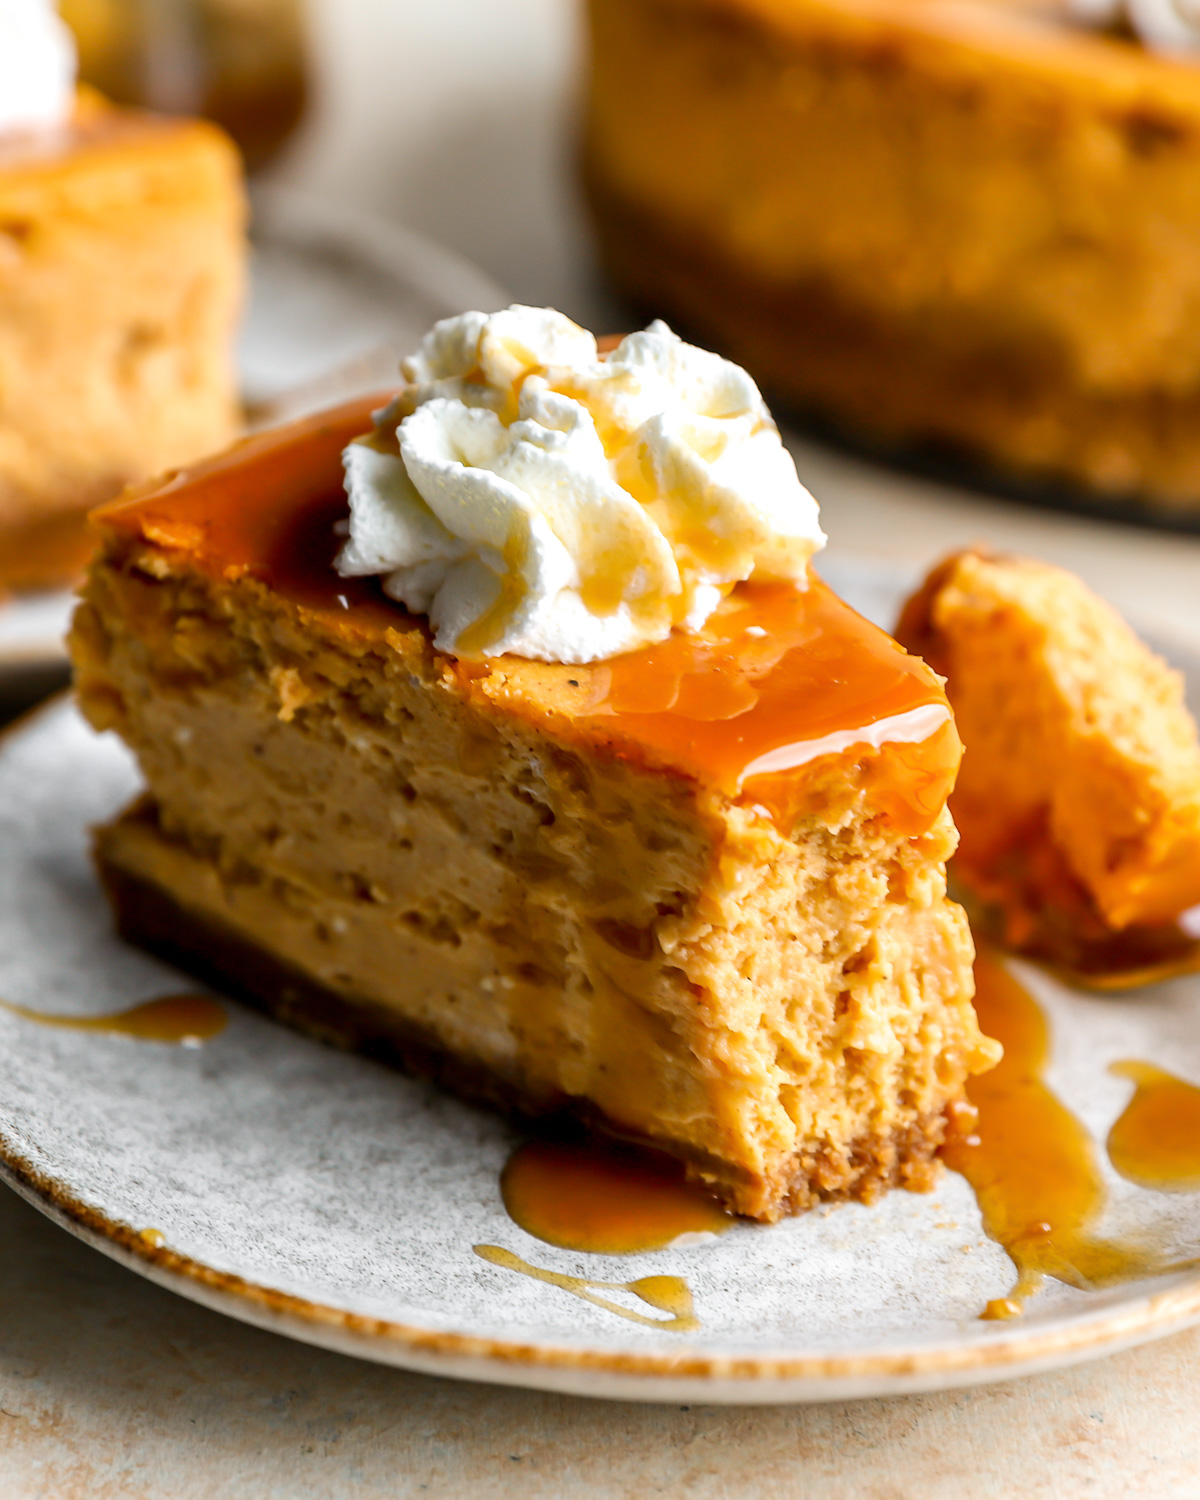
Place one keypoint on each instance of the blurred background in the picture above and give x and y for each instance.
(454, 117)
(410, 158)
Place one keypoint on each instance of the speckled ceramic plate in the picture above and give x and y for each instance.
(329, 1199)
(337, 296)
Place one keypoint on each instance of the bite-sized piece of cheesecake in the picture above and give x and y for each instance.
(967, 223)
(121, 267)
(1078, 802)
(693, 892)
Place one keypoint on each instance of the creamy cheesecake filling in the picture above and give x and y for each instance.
(581, 926)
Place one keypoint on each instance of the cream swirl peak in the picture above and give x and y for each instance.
(37, 66)
(536, 498)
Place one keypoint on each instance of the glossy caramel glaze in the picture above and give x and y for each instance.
(1032, 1164)
(777, 670)
(267, 508)
(184, 1019)
(741, 706)
(1156, 1141)
(670, 1294)
(606, 1199)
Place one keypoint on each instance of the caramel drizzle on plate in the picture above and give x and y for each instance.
(185, 1019)
(670, 1294)
(1034, 1167)
(605, 1198)
(1156, 1141)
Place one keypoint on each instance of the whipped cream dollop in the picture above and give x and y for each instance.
(1171, 26)
(37, 66)
(537, 499)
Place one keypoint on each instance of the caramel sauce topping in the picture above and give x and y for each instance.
(777, 670)
(1032, 1164)
(183, 1019)
(606, 1199)
(741, 706)
(1156, 1141)
(266, 508)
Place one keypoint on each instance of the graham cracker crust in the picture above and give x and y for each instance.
(149, 916)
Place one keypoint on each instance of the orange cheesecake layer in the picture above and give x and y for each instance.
(779, 681)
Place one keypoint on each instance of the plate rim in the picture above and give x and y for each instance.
(628, 1375)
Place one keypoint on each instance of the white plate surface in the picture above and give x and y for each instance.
(338, 1202)
(337, 297)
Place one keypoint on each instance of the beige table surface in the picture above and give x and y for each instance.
(454, 115)
(110, 1387)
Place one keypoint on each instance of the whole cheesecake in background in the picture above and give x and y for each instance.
(121, 275)
(537, 759)
(973, 224)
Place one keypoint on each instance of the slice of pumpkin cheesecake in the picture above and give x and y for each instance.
(536, 758)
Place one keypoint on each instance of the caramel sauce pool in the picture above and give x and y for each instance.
(1127, 960)
(181, 1019)
(1032, 1164)
(1156, 1141)
(605, 1199)
(1075, 946)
